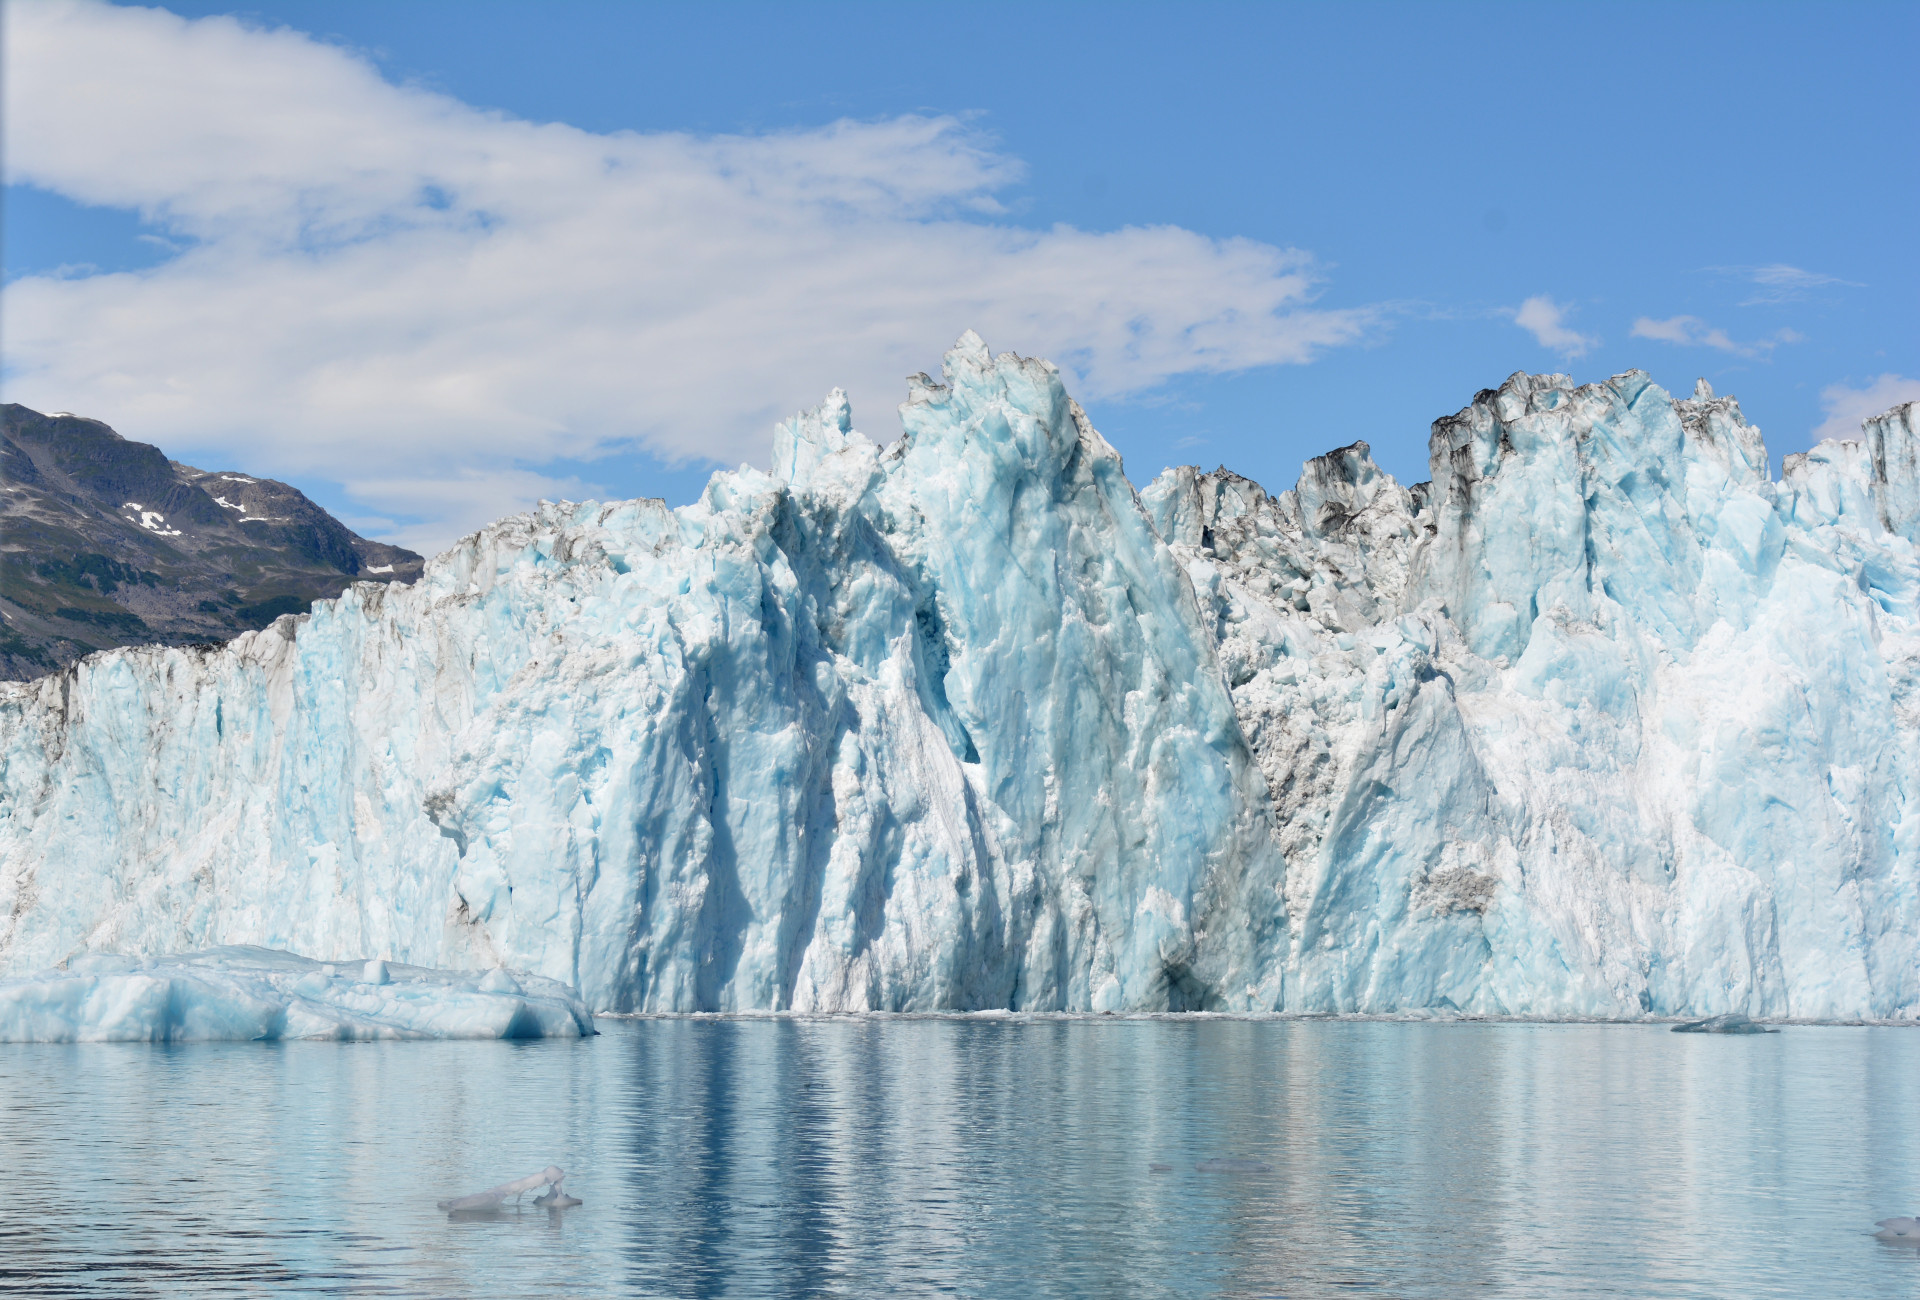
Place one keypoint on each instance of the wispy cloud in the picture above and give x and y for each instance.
(1777, 282)
(1846, 406)
(1545, 319)
(1691, 331)
(376, 275)
(461, 493)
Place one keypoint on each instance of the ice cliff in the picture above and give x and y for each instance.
(1602, 721)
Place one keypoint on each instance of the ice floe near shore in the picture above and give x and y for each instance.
(244, 993)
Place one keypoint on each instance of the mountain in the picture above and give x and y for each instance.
(106, 542)
(1603, 721)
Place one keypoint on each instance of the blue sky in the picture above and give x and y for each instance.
(1356, 216)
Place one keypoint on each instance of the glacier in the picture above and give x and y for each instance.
(1601, 721)
(239, 994)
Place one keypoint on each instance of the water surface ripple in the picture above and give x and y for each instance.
(974, 1157)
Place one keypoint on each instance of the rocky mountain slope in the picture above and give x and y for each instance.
(1604, 720)
(106, 542)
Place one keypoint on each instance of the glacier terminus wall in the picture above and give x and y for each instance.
(1602, 721)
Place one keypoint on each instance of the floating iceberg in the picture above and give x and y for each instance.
(1602, 721)
(1730, 1023)
(241, 993)
(1906, 1231)
(551, 1178)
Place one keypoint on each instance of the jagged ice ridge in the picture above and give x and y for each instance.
(1602, 721)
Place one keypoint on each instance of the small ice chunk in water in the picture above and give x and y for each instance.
(1731, 1023)
(551, 1176)
(1234, 1166)
(1158, 1168)
(1901, 1230)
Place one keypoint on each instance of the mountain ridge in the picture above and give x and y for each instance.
(106, 542)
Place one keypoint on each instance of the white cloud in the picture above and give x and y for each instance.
(378, 282)
(1691, 331)
(1782, 283)
(1545, 320)
(1846, 406)
(458, 492)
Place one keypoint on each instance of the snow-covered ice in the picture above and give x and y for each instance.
(1601, 721)
(243, 993)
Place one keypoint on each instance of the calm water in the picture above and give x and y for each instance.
(977, 1158)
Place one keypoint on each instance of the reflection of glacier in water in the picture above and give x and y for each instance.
(1006, 1156)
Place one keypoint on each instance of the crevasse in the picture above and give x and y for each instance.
(1602, 721)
